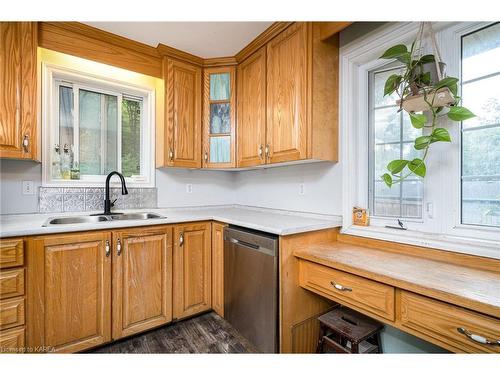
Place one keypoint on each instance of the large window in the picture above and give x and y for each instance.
(390, 138)
(97, 127)
(481, 135)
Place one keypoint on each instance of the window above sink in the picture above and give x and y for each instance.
(96, 119)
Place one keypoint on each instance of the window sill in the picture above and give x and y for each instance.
(457, 244)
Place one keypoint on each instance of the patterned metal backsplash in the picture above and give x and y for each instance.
(53, 199)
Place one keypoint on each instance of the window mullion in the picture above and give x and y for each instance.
(119, 134)
(76, 124)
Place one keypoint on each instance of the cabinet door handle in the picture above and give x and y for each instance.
(118, 247)
(260, 151)
(108, 250)
(26, 142)
(268, 151)
(181, 239)
(171, 154)
(205, 156)
(340, 287)
(477, 338)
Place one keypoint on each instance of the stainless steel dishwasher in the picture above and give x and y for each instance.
(251, 285)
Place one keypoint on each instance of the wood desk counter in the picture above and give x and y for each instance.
(461, 285)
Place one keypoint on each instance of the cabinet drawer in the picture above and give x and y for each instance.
(440, 321)
(12, 340)
(11, 253)
(348, 289)
(11, 283)
(11, 312)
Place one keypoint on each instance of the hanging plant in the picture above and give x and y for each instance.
(422, 87)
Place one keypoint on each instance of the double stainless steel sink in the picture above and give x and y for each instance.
(90, 219)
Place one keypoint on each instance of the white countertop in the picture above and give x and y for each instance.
(279, 222)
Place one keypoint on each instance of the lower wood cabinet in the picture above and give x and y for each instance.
(69, 291)
(192, 269)
(218, 267)
(142, 279)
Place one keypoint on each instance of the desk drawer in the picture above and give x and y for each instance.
(11, 283)
(11, 312)
(439, 322)
(11, 253)
(348, 289)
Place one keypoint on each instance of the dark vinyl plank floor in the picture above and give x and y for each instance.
(207, 333)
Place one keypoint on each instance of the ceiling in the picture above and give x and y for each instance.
(203, 39)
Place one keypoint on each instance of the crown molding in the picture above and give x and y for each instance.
(175, 53)
(219, 61)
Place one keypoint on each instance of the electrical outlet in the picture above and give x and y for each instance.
(189, 188)
(430, 210)
(302, 189)
(28, 188)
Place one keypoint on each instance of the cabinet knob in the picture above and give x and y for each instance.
(108, 250)
(26, 142)
(477, 338)
(171, 154)
(118, 247)
(181, 239)
(340, 287)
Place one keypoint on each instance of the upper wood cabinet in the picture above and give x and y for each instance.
(287, 92)
(219, 117)
(142, 279)
(252, 110)
(69, 291)
(181, 143)
(302, 95)
(192, 290)
(18, 95)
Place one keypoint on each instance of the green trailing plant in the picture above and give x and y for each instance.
(416, 80)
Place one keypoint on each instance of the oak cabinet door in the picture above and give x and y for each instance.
(69, 284)
(252, 110)
(287, 92)
(142, 279)
(192, 269)
(183, 114)
(218, 267)
(18, 78)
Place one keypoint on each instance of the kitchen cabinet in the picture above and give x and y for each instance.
(18, 93)
(69, 289)
(252, 110)
(192, 289)
(180, 145)
(218, 267)
(219, 119)
(288, 99)
(142, 279)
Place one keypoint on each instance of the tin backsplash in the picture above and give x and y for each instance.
(52, 199)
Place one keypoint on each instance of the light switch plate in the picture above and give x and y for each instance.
(189, 188)
(28, 188)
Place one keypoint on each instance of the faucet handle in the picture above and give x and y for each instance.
(113, 203)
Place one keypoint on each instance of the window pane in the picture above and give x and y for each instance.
(383, 155)
(387, 125)
(483, 99)
(409, 132)
(97, 113)
(481, 146)
(220, 149)
(378, 88)
(65, 116)
(412, 199)
(386, 200)
(131, 137)
(220, 119)
(481, 53)
(219, 86)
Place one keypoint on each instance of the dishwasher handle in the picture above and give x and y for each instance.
(243, 243)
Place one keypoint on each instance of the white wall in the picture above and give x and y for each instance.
(12, 175)
(279, 187)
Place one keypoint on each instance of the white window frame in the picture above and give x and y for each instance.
(53, 77)
(356, 60)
